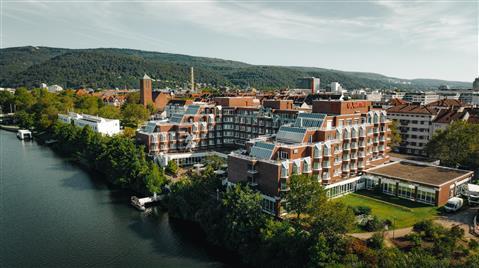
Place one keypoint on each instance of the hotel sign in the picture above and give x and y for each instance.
(356, 105)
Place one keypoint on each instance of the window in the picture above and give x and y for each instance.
(405, 191)
(424, 196)
(389, 188)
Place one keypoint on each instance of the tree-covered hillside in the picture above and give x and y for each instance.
(112, 67)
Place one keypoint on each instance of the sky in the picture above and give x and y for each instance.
(404, 39)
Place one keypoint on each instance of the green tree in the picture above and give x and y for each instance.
(155, 179)
(395, 134)
(133, 98)
(24, 100)
(134, 114)
(24, 119)
(109, 111)
(456, 146)
(306, 195)
(172, 167)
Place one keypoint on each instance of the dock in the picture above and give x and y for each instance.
(141, 203)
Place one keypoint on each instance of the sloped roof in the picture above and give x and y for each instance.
(412, 109)
(396, 102)
(447, 116)
(446, 103)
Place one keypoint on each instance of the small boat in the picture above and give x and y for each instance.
(24, 134)
(138, 203)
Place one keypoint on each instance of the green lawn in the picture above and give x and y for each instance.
(405, 213)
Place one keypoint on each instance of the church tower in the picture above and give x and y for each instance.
(146, 91)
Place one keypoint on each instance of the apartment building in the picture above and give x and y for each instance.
(335, 143)
(417, 123)
(414, 125)
(101, 125)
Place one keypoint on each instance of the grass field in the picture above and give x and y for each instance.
(402, 212)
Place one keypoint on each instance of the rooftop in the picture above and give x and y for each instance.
(419, 173)
(412, 109)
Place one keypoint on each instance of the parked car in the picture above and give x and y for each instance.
(454, 204)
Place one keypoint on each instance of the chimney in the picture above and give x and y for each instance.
(192, 79)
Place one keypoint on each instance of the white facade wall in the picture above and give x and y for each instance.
(101, 125)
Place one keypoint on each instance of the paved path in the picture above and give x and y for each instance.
(389, 234)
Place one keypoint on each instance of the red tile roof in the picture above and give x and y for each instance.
(446, 103)
(412, 109)
(396, 102)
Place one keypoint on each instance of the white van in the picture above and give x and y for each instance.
(454, 204)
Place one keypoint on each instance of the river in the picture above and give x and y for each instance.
(52, 213)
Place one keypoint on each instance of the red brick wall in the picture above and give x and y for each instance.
(341, 107)
(146, 93)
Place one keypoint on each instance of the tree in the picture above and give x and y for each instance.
(133, 98)
(109, 111)
(305, 196)
(25, 120)
(155, 179)
(235, 222)
(395, 134)
(172, 167)
(456, 146)
(134, 114)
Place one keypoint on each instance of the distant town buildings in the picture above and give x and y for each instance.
(475, 84)
(421, 98)
(311, 83)
(101, 125)
(336, 87)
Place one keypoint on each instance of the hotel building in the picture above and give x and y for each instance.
(335, 144)
(228, 123)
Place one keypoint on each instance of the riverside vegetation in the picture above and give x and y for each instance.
(315, 235)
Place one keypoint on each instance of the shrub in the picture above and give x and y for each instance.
(362, 210)
(376, 241)
(373, 224)
(415, 238)
(430, 230)
(473, 244)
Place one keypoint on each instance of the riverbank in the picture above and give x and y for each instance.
(9, 128)
(67, 217)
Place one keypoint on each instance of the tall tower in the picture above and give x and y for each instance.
(146, 92)
(192, 73)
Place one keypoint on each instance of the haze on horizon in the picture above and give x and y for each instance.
(405, 39)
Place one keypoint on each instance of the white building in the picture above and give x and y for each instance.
(422, 98)
(55, 88)
(471, 98)
(101, 125)
(336, 87)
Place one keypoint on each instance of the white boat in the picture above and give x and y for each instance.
(24, 134)
(138, 203)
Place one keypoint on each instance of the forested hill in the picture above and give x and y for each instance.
(112, 67)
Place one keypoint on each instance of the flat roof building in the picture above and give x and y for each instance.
(420, 182)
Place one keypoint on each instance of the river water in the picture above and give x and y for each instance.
(54, 214)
